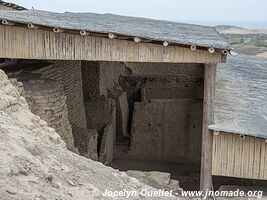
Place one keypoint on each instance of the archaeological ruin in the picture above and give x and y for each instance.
(134, 99)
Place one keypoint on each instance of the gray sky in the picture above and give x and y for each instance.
(246, 13)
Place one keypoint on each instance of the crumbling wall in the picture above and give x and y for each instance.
(68, 74)
(98, 113)
(165, 104)
(86, 141)
(105, 103)
(166, 124)
(47, 100)
(36, 165)
(100, 78)
(100, 86)
(109, 76)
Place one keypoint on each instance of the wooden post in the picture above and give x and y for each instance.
(207, 135)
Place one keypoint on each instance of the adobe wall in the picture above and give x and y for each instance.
(167, 118)
(109, 76)
(90, 78)
(101, 91)
(166, 108)
(100, 78)
(167, 130)
(165, 69)
(47, 100)
(68, 74)
(100, 86)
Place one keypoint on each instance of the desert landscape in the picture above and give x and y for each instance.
(246, 41)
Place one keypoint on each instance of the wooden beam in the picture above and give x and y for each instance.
(24, 43)
(207, 135)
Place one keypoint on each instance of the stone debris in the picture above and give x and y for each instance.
(160, 180)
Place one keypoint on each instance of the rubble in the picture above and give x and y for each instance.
(160, 180)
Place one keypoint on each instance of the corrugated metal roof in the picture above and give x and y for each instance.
(241, 96)
(156, 30)
(12, 5)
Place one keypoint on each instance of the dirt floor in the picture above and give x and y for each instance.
(263, 54)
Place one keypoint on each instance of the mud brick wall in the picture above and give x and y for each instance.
(68, 75)
(90, 78)
(47, 100)
(165, 102)
(98, 113)
(167, 130)
(101, 77)
(165, 69)
(86, 141)
(172, 87)
(109, 75)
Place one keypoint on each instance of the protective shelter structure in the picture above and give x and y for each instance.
(240, 124)
(41, 35)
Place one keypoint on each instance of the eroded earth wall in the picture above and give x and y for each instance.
(68, 74)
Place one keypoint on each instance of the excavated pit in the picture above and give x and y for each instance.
(140, 116)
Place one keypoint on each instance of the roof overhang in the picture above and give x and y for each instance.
(142, 39)
(20, 42)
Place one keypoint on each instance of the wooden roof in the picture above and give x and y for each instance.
(148, 29)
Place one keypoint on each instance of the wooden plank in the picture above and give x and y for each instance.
(207, 135)
(235, 157)
(257, 157)
(265, 164)
(25, 43)
(262, 158)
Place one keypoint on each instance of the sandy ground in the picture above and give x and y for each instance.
(236, 30)
(35, 164)
(263, 54)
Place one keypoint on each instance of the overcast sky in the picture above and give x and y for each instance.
(249, 13)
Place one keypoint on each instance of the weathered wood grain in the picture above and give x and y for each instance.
(117, 25)
(241, 158)
(207, 135)
(25, 43)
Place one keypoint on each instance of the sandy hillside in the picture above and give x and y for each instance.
(263, 54)
(239, 30)
(34, 162)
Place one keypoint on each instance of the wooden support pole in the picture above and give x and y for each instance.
(207, 135)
